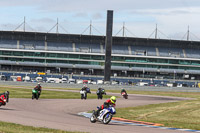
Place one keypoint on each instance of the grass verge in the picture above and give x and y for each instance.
(182, 114)
(27, 93)
(6, 127)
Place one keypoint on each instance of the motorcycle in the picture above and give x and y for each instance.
(124, 94)
(4, 98)
(35, 94)
(100, 93)
(105, 115)
(84, 93)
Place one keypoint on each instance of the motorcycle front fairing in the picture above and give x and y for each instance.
(3, 100)
(106, 111)
(102, 113)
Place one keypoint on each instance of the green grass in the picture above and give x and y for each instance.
(6, 127)
(27, 93)
(182, 114)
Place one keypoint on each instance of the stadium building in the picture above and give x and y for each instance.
(66, 53)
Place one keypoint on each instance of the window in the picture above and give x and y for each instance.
(84, 56)
(16, 53)
(95, 57)
(39, 60)
(28, 54)
(51, 55)
(173, 62)
(117, 58)
(51, 61)
(7, 53)
(73, 56)
(60, 55)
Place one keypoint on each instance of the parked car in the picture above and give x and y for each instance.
(99, 82)
(63, 80)
(71, 81)
(79, 81)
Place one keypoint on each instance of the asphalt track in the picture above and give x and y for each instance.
(62, 114)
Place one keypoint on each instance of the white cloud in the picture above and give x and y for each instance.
(80, 15)
(172, 16)
(93, 5)
(43, 20)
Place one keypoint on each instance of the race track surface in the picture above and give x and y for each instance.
(62, 114)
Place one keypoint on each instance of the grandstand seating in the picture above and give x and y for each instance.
(192, 53)
(8, 44)
(55, 46)
(88, 48)
(120, 49)
(96, 48)
(144, 50)
(32, 45)
(170, 52)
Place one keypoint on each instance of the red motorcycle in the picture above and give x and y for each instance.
(4, 98)
(124, 94)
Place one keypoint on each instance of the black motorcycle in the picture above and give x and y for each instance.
(100, 93)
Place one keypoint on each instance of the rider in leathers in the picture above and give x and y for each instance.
(39, 89)
(106, 104)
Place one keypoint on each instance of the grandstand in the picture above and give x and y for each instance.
(133, 57)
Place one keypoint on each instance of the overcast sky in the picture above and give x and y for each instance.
(140, 16)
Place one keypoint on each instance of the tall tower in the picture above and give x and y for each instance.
(108, 45)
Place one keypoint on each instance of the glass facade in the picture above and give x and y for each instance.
(92, 59)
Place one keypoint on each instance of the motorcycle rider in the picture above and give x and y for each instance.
(100, 92)
(86, 90)
(106, 104)
(123, 90)
(39, 89)
(6, 94)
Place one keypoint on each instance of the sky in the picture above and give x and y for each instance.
(173, 18)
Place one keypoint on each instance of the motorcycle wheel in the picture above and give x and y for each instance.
(106, 118)
(36, 96)
(93, 118)
(125, 96)
(33, 96)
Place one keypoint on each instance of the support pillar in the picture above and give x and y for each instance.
(108, 45)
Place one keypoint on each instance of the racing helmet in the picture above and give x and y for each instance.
(113, 99)
(85, 86)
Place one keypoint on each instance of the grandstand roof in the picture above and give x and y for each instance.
(77, 38)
